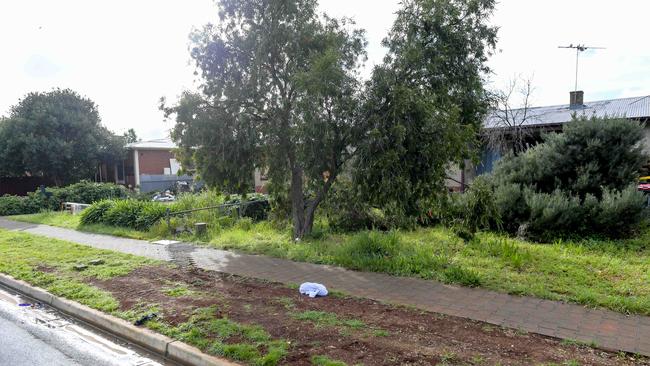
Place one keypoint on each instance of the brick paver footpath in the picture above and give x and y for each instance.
(606, 329)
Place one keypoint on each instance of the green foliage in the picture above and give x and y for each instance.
(255, 206)
(457, 274)
(578, 183)
(95, 214)
(23, 254)
(149, 215)
(479, 206)
(424, 105)
(588, 157)
(88, 192)
(15, 205)
(467, 213)
(134, 214)
(216, 335)
(279, 92)
(347, 211)
(320, 360)
(82, 192)
(595, 272)
(323, 318)
(386, 252)
(56, 134)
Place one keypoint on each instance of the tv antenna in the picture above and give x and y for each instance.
(580, 48)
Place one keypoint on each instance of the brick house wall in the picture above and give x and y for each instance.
(154, 161)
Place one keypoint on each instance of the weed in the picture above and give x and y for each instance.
(380, 333)
(322, 318)
(177, 291)
(325, 361)
(287, 302)
(448, 356)
(456, 274)
(478, 360)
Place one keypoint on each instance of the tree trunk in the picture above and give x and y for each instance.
(308, 224)
(303, 213)
(297, 202)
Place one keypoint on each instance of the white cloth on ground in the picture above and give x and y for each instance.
(313, 289)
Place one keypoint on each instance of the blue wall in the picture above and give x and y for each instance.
(151, 183)
(487, 161)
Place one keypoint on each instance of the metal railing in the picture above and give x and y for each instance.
(169, 213)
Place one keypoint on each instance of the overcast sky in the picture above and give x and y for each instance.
(125, 55)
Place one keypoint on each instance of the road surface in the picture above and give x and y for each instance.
(32, 335)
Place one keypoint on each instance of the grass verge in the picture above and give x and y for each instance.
(51, 264)
(609, 274)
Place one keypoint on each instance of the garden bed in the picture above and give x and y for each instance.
(257, 322)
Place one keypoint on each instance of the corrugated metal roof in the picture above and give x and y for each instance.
(157, 144)
(636, 107)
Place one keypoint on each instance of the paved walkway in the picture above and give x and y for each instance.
(607, 329)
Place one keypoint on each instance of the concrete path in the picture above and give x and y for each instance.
(606, 329)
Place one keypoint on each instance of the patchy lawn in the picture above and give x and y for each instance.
(609, 274)
(261, 323)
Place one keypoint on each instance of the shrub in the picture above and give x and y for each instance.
(32, 203)
(620, 210)
(96, 213)
(478, 206)
(124, 213)
(82, 192)
(14, 205)
(511, 204)
(256, 206)
(88, 192)
(150, 214)
(575, 184)
(588, 157)
(346, 211)
(466, 213)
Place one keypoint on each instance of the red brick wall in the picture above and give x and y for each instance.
(154, 161)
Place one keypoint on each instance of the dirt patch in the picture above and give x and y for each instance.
(365, 331)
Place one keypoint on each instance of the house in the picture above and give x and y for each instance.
(551, 118)
(151, 166)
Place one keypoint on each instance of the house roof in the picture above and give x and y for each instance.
(156, 144)
(636, 107)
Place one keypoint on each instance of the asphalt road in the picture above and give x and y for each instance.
(18, 347)
(36, 335)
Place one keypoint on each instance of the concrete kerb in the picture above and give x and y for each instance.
(169, 348)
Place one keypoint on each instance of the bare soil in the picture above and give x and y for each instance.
(391, 335)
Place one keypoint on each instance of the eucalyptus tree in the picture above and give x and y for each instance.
(280, 92)
(425, 104)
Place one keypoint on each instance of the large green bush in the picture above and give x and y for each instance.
(131, 213)
(15, 205)
(82, 192)
(581, 182)
(96, 213)
(124, 213)
(346, 210)
(88, 192)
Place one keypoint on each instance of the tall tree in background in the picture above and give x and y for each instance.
(425, 104)
(57, 134)
(279, 91)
